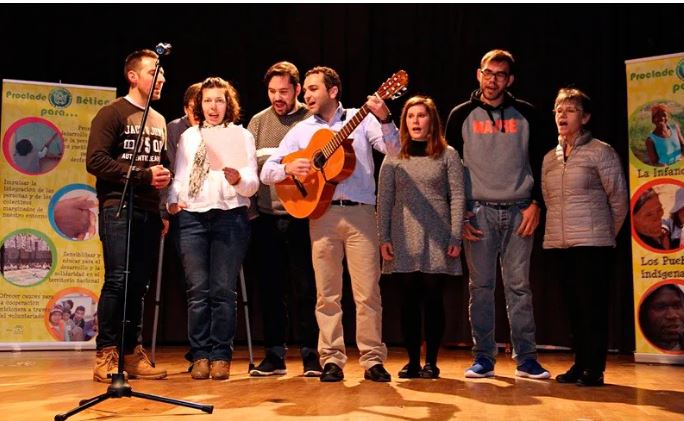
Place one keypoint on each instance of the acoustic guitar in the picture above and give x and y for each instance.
(332, 160)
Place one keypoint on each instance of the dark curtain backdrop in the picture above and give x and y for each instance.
(438, 45)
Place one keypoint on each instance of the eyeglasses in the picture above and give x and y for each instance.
(566, 110)
(488, 74)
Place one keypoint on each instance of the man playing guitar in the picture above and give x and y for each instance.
(347, 227)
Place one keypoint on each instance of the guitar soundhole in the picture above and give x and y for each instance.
(318, 160)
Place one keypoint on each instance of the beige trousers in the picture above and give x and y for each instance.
(350, 231)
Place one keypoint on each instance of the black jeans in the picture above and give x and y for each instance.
(283, 248)
(145, 234)
(422, 291)
(585, 287)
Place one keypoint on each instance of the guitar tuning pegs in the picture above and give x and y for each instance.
(399, 93)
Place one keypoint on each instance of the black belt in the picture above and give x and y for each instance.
(344, 203)
(503, 205)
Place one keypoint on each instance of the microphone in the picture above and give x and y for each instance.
(163, 49)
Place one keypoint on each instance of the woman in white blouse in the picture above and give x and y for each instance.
(216, 173)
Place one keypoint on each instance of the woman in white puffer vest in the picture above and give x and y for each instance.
(585, 193)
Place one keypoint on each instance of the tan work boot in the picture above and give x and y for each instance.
(200, 369)
(106, 364)
(138, 366)
(220, 370)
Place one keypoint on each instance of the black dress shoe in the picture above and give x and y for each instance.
(429, 371)
(590, 378)
(570, 376)
(377, 373)
(410, 371)
(332, 373)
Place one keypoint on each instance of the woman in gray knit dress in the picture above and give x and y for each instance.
(420, 212)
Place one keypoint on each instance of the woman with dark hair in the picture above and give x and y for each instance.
(420, 210)
(647, 216)
(661, 317)
(585, 193)
(664, 144)
(213, 226)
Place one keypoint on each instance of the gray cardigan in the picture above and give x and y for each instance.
(585, 195)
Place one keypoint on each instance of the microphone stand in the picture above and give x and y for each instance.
(119, 387)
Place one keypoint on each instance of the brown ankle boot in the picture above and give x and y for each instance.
(138, 366)
(200, 369)
(220, 369)
(106, 364)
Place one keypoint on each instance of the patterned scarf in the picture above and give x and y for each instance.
(200, 165)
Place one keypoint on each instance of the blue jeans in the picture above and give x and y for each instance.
(500, 242)
(145, 232)
(212, 245)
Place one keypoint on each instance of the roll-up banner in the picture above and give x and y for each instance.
(655, 109)
(50, 255)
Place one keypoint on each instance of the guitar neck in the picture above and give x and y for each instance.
(344, 133)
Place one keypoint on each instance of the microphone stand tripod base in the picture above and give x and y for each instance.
(118, 389)
(121, 389)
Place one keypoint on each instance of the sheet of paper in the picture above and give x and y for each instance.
(225, 147)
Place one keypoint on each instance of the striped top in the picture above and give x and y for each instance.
(268, 129)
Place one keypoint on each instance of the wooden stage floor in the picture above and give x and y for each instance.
(37, 385)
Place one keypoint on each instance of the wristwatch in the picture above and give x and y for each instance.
(387, 119)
